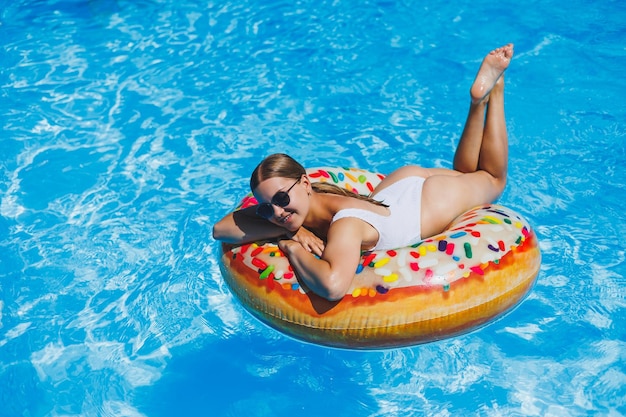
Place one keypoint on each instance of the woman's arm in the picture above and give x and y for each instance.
(243, 226)
(331, 275)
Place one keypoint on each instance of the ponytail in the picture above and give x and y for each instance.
(324, 187)
(282, 165)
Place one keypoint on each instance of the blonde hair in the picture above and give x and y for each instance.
(284, 166)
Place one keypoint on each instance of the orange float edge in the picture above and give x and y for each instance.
(404, 317)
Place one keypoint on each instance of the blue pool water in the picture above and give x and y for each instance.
(130, 127)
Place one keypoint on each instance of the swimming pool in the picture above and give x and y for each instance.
(129, 127)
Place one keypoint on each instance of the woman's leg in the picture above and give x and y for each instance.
(468, 153)
(482, 154)
(481, 147)
(494, 150)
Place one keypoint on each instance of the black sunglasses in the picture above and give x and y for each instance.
(280, 199)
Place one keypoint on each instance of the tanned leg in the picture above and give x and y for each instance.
(468, 151)
(494, 149)
(467, 156)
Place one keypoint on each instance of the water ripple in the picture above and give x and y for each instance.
(131, 127)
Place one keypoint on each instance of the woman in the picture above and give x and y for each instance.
(410, 204)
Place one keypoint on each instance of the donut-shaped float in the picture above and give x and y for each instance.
(478, 269)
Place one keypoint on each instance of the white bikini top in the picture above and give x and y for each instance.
(402, 227)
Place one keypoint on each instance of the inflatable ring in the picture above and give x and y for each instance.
(478, 269)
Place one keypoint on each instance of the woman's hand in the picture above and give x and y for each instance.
(306, 239)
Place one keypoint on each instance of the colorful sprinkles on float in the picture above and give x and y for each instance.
(478, 269)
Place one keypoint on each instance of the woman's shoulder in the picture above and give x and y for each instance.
(358, 228)
(346, 203)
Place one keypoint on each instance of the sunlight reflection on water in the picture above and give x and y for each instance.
(131, 127)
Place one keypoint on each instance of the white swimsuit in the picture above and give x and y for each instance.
(402, 227)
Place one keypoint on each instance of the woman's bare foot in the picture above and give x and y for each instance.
(490, 71)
